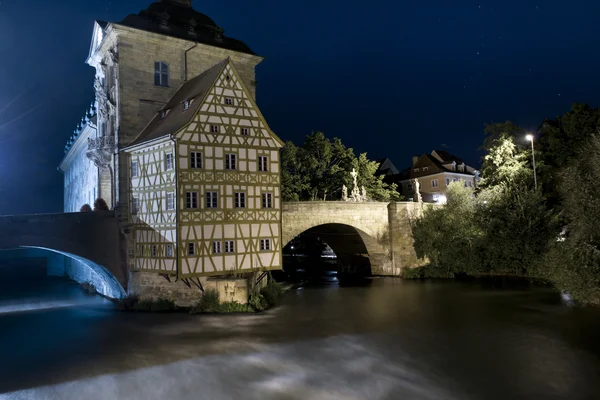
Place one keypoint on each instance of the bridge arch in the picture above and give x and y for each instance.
(91, 242)
(352, 230)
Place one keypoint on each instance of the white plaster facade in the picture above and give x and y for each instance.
(80, 174)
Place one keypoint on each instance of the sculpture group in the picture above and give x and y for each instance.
(356, 195)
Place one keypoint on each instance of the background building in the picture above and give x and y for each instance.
(435, 172)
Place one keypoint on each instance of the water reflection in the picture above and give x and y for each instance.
(372, 339)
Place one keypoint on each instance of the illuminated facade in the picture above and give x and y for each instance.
(179, 147)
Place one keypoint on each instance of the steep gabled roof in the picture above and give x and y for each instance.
(194, 90)
(446, 157)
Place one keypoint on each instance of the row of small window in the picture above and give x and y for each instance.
(227, 245)
(196, 162)
(212, 201)
(186, 106)
(217, 248)
(461, 168)
(435, 183)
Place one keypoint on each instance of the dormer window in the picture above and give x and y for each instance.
(425, 169)
(228, 101)
(163, 114)
(186, 105)
(191, 26)
(164, 19)
(453, 165)
(416, 170)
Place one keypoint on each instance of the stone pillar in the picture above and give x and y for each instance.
(402, 251)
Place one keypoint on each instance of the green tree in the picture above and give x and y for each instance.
(319, 169)
(574, 261)
(449, 236)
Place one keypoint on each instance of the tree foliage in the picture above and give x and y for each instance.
(320, 167)
(85, 208)
(509, 227)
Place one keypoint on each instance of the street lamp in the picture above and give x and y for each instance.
(530, 138)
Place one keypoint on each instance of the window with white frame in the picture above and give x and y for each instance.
(425, 169)
(169, 250)
(267, 200)
(154, 251)
(229, 247)
(239, 199)
(434, 183)
(134, 169)
(191, 200)
(214, 128)
(161, 73)
(245, 131)
(262, 163)
(230, 161)
(216, 247)
(416, 170)
(170, 200)
(135, 205)
(191, 249)
(195, 160)
(265, 244)
(228, 101)
(168, 161)
(436, 197)
(212, 200)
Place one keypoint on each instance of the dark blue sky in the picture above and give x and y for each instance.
(392, 78)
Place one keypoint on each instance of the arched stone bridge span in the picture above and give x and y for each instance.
(379, 232)
(92, 242)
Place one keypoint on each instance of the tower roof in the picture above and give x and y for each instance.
(178, 19)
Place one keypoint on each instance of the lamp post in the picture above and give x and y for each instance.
(530, 138)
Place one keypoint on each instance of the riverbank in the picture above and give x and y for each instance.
(209, 303)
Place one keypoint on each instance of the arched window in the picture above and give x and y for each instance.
(161, 73)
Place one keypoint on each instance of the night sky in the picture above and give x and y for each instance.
(392, 78)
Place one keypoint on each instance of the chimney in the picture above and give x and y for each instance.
(415, 159)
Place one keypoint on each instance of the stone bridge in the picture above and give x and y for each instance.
(376, 232)
(92, 243)
(374, 236)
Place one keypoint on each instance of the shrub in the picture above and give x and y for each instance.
(258, 302)
(234, 306)
(427, 272)
(208, 303)
(100, 205)
(128, 303)
(85, 208)
(89, 287)
(272, 292)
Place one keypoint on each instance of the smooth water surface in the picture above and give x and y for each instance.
(386, 339)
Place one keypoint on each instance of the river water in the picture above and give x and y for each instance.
(382, 339)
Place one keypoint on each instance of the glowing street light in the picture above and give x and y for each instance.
(530, 138)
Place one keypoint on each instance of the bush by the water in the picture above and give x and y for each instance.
(427, 272)
(209, 303)
(133, 303)
(258, 302)
(272, 292)
(85, 208)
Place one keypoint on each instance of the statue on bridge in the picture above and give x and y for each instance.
(357, 195)
(417, 187)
